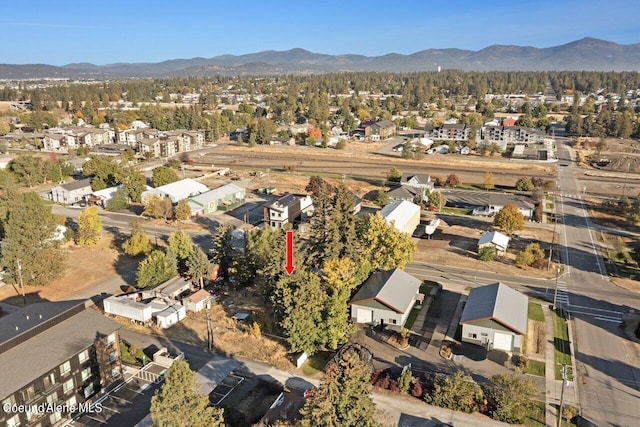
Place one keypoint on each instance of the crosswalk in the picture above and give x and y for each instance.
(562, 300)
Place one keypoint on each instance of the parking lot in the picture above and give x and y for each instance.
(117, 406)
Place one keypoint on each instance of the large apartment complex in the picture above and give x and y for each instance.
(54, 356)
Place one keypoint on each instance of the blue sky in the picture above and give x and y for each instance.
(59, 32)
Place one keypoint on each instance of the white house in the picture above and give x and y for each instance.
(403, 215)
(386, 297)
(197, 301)
(495, 317)
(496, 240)
(71, 192)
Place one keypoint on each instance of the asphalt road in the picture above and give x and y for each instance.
(607, 371)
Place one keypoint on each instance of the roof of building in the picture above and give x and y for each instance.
(499, 303)
(286, 200)
(384, 124)
(494, 237)
(216, 194)
(65, 329)
(76, 185)
(483, 198)
(181, 189)
(394, 288)
(399, 212)
(421, 178)
(403, 192)
(199, 295)
(107, 193)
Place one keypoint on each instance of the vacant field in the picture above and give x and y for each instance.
(86, 266)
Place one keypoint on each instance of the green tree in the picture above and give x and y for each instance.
(179, 403)
(299, 302)
(437, 200)
(405, 380)
(394, 175)
(340, 278)
(382, 197)
(524, 184)
(138, 242)
(182, 211)
(343, 398)
(27, 228)
(486, 253)
(487, 183)
(458, 392)
(133, 183)
(382, 246)
(155, 269)
(118, 201)
(27, 169)
(509, 219)
(89, 227)
(222, 252)
(513, 396)
(180, 244)
(163, 175)
(198, 266)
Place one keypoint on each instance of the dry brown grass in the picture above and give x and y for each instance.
(535, 339)
(86, 266)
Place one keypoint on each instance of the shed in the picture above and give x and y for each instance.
(495, 317)
(386, 297)
(197, 301)
(496, 240)
(170, 315)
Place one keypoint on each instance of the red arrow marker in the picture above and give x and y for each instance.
(289, 267)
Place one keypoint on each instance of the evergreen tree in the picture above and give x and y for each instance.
(180, 244)
(89, 227)
(179, 403)
(198, 266)
(325, 232)
(157, 268)
(405, 380)
(27, 229)
(344, 396)
(344, 217)
(222, 252)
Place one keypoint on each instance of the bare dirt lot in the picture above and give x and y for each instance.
(535, 339)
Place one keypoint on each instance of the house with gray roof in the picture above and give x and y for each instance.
(495, 317)
(61, 353)
(386, 297)
(71, 192)
(495, 240)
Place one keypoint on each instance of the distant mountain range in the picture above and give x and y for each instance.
(586, 54)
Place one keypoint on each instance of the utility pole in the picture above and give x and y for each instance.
(564, 380)
(626, 175)
(209, 333)
(24, 298)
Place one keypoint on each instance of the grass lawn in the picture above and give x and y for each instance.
(457, 211)
(549, 205)
(536, 417)
(412, 317)
(535, 367)
(427, 286)
(535, 312)
(561, 351)
(316, 363)
(128, 358)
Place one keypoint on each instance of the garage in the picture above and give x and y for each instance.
(364, 316)
(502, 341)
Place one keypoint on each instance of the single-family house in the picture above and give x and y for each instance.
(288, 209)
(403, 215)
(488, 203)
(496, 240)
(386, 297)
(178, 190)
(71, 192)
(225, 198)
(495, 317)
(103, 196)
(403, 192)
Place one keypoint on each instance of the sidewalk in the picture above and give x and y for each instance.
(554, 387)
